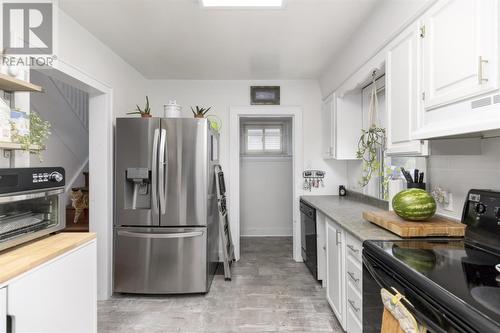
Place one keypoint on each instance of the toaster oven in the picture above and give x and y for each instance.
(31, 204)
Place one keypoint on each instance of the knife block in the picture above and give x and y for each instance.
(416, 185)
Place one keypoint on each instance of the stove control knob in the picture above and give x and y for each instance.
(480, 208)
(55, 177)
(497, 212)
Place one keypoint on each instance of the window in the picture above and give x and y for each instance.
(265, 139)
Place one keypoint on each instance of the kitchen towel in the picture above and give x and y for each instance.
(396, 317)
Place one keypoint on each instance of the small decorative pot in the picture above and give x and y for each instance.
(145, 115)
(199, 116)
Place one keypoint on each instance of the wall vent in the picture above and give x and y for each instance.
(481, 103)
(496, 99)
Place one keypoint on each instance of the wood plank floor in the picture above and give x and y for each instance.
(269, 292)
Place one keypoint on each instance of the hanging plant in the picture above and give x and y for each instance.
(371, 142)
(34, 141)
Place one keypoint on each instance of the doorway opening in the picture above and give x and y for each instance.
(266, 177)
(100, 162)
(265, 140)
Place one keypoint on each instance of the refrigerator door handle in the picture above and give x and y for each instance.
(154, 170)
(161, 172)
(161, 236)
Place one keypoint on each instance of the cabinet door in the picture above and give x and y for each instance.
(402, 89)
(321, 246)
(3, 310)
(460, 50)
(335, 285)
(327, 128)
(69, 282)
(348, 122)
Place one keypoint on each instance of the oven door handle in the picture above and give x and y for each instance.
(29, 196)
(419, 316)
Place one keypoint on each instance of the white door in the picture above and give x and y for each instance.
(3, 310)
(460, 50)
(402, 89)
(335, 288)
(60, 296)
(327, 128)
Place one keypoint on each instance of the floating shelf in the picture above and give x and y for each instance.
(10, 83)
(17, 146)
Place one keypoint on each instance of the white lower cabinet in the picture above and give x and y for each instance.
(344, 268)
(321, 246)
(3, 310)
(59, 296)
(335, 273)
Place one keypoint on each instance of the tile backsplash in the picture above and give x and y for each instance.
(458, 174)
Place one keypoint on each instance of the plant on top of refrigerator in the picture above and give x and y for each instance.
(146, 112)
(200, 112)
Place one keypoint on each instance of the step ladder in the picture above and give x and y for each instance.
(224, 227)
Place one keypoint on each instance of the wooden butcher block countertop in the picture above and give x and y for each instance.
(22, 258)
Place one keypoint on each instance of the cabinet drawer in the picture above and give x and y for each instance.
(354, 325)
(354, 247)
(354, 273)
(354, 300)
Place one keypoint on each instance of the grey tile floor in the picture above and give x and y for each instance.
(269, 292)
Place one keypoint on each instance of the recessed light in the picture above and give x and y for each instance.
(243, 3)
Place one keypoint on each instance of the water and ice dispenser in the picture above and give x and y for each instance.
(138, 188)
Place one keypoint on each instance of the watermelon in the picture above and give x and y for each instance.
(414, 205)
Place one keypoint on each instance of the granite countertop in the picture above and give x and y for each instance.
(347, 212)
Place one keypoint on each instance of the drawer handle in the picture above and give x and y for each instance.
(353, 249)
(353, 305)
(353, 276)
(160, 236)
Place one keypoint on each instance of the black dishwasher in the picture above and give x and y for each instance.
(308, 240)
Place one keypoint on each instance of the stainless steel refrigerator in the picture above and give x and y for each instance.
(166, 216)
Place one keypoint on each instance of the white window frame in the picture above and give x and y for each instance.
(267, 152)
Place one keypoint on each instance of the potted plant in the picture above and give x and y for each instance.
(200, 112)
(146, 112)
(34, 141)
(372, 142)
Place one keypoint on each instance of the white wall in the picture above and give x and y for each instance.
(225, 93)
(379, 28)
(82, 55)
(459, 173)
(266, 192)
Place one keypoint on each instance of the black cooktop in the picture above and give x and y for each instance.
(464, 273)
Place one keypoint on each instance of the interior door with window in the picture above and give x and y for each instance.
(460, 50)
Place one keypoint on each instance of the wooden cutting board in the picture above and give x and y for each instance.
(435, 227)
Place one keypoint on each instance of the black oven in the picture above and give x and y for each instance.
(309, 237)
(449, 286)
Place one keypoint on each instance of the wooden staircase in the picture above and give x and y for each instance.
(82, 223)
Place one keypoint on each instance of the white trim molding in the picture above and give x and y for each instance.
(235, 113)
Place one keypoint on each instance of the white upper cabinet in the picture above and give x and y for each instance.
(342, 120)
(460, 55)
(327, 132)
(402, 94)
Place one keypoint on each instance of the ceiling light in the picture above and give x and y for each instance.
(243, 3)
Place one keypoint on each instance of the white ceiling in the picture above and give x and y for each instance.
(177, 39)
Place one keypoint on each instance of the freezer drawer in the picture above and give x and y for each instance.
(160, 260)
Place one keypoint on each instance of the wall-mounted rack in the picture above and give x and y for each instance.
(313, 179)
